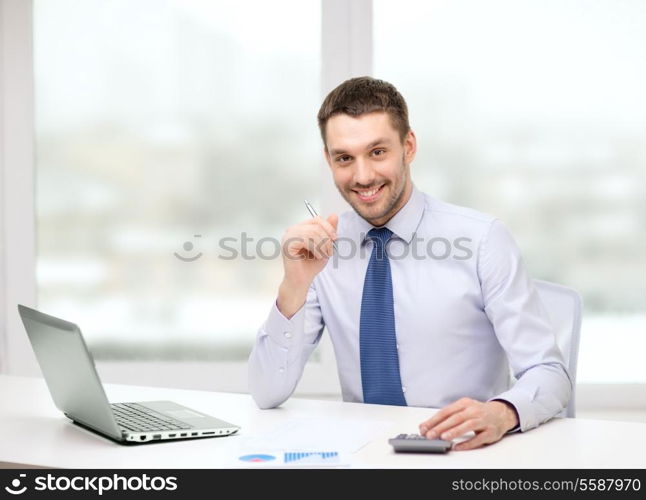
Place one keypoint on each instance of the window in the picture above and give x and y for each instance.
(166, 130)
(534, 111)
(158, 121)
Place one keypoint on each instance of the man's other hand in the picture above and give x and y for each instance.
(490, 421)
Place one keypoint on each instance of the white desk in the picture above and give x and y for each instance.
(34, 432)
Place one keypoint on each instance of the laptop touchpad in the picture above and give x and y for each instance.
(180, 414)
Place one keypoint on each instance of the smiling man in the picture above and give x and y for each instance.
(426, 303)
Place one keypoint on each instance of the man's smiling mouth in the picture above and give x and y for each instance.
(368, 195)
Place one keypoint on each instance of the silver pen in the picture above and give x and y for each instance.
(313, 213)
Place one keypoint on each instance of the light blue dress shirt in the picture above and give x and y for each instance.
(465, 313)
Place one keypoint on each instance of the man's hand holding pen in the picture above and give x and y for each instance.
(307, 246)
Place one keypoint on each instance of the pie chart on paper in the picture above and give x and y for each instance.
(257, 458)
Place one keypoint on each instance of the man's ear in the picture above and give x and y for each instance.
(410, 147)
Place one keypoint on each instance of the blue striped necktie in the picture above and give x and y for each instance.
(377, 340)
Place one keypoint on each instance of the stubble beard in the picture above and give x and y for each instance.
(392, 205)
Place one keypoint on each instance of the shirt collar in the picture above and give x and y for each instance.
(404, 224)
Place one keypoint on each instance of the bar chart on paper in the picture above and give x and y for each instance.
(311, 457)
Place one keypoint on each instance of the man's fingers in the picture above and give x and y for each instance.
(449, 423)
(456, 431)
(438, 418)
(311, 239)
(444, 413)
(323, 242)
(323, 224)
(476, 442)
(315, 242)
(326, 246)
(333, 220)
(329, 228)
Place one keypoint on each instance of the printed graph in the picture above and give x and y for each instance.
(312, 457)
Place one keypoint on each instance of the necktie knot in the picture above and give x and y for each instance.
(380, 235)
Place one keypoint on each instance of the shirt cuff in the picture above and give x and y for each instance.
(285, 332)
(515, 428)
(522, 403)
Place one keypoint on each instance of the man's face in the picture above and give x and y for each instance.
(370, 165)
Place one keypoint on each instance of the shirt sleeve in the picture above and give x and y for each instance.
(543, 385)
(281, 351)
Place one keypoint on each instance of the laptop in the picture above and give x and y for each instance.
(68, 368)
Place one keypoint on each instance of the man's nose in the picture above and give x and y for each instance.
(364, 174)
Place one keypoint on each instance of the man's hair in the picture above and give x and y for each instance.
(358, 96)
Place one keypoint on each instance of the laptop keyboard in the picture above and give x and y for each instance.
(137, 418)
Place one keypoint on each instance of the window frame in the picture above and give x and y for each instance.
(17, 163)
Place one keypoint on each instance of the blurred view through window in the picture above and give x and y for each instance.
(158, 121)
(164, 126)
(534, 111)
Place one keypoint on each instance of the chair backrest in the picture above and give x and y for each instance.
(564, 307)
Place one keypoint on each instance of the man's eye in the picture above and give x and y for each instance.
(379, 152)
(343, 159)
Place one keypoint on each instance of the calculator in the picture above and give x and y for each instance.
(414, 443)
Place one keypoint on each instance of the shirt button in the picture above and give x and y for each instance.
(288, 335)
(397, 346)
(281, 369)
(403, 389)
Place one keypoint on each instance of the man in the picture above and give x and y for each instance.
(426, 303)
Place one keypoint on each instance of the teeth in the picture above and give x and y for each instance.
(368, 194)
